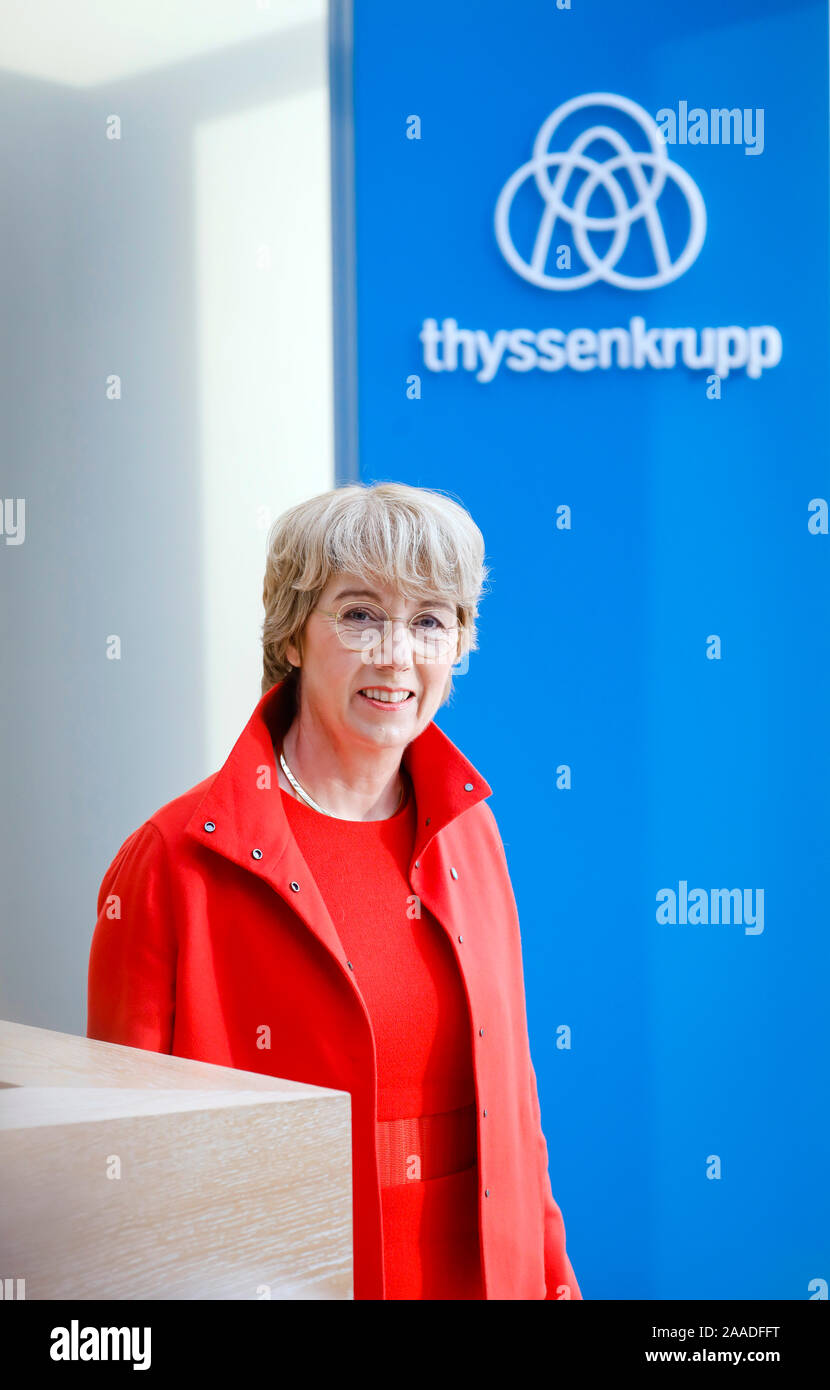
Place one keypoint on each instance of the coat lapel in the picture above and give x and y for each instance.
(244, 806)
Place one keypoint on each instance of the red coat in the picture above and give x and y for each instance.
(222, 930)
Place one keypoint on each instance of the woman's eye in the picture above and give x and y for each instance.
(430, 618)
(359, 615)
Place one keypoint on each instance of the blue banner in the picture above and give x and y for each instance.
(591, 296)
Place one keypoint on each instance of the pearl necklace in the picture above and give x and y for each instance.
(313, 804)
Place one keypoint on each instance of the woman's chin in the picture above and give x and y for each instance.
(385, 727)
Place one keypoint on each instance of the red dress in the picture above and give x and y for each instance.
(406, 972)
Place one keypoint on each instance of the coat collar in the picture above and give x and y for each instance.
(244, 801)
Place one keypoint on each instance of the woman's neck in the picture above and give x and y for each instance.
(356, 787)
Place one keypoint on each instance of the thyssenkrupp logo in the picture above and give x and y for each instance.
(653, 161)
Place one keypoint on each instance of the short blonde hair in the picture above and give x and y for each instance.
(414, 540)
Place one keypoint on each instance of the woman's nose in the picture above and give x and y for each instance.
(395, 648)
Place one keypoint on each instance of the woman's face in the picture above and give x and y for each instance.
(333, 676)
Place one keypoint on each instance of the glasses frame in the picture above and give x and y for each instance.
(389, 619)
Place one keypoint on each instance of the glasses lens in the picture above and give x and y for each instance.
(360, 626)
(434, 634)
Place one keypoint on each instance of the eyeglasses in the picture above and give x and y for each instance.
(363, 627)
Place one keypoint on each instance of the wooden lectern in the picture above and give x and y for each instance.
(134, 1175)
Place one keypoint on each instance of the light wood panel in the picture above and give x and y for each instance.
(129, 1174)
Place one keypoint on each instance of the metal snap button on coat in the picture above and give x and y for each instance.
(461, 938)
(295, 887)
(453, 871)
(351, 967)
(417, 863)
(256, 853)
(209, 825)
(468, 786)
(487, 1192)
(485, 1113)
(481, 1032)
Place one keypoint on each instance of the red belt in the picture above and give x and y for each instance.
(426, 1146)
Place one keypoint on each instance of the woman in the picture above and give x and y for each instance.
(341, 882)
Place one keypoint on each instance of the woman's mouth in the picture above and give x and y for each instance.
(387, 700)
